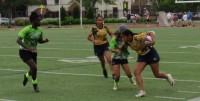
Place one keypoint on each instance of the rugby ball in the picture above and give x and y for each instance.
(147, 40)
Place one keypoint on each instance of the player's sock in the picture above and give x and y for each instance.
(35, 85)
(113, 76)
(26, 76)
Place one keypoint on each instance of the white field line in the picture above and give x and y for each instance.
(188, 92)
(174, 98)
(6, 100)
(164, 62)
(5, 47)
(94, 75)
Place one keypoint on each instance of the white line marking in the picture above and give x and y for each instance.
(175, 98)
(188, 92)
(76, 74)
(6, 100)
(4, 47)
(191, 63)
(195, 99)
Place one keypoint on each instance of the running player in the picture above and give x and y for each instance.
(119, 57)
(147, 55)
(98, 36)
(28, 38)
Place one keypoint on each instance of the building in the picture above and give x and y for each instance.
(120, 9)
(51, 8)
(123, 7)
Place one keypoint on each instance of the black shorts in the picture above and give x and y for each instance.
(26, 55)
(119, 61)
(100, 49)
(150, 58)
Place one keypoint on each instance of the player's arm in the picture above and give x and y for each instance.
(90, 38)
(153, 37)
(41, 40)
(19, 41)
(109, 31)
(113, 47)
(21, 35)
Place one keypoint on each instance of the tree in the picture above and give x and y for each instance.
(90, 5)
(63, 13)
(171, 6)
(76, 13)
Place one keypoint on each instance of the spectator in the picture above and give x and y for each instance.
(175, 18)
(148, 19)
(189, 18)
(179, 18)
(169, 17)
(184, 19)
(128, 17)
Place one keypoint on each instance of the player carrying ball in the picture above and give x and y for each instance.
(147, 55)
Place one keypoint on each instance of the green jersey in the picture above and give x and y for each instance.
(124, 51)
(30, 36)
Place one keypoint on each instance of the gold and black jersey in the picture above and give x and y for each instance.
(138, 44)
(100, 34)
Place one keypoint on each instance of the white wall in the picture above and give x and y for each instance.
(52, 2)
(109, 8)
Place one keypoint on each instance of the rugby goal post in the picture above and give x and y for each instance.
(187, 1)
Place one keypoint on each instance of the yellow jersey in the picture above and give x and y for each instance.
(100, 35)
(138, 44)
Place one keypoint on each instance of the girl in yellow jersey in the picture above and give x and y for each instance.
(98, 37)
(147, 55)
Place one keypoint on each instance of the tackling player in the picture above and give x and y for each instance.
(119, 57)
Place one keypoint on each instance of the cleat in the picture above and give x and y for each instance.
(105, 73)
(25, 80)
(132, 80)
(35, 87)
(115, 87)
(170, 80)
(141, 94)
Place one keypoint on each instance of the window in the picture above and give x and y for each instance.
(56, 2)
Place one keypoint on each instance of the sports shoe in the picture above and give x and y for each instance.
(170, 79)
(141, 93)
(25, 80)
(35, 87)
(132, 80)
(115, 87)
(105, 73)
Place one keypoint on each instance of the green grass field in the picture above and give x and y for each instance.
(67, 70)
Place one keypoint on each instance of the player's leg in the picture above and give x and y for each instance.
(107, 55)
(137, 72)
(102, 61)
(127, 70)
(25, 56)
(116, 69)
(158, 74)
(31, 63)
